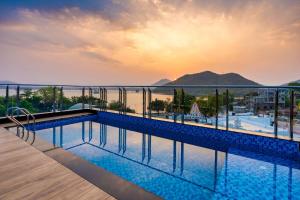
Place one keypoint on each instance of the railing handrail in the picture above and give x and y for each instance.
(18, 123)
(153, 86)
(147, 99)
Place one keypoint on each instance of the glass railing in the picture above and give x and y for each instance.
(273, 110)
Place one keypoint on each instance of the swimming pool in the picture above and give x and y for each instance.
(172, 169)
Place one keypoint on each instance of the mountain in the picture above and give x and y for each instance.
(286, 84)
(209, 78)
(161, 82)
(7, 82)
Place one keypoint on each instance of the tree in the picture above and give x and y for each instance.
(295, 84)
(158, 105)
(187, 103)
(115, 105)
(2, 107)
(207, 105)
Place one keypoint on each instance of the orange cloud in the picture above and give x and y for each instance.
(168, 40)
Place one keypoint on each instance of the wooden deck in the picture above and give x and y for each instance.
(26, 173)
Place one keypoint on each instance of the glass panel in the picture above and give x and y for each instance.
(252, 110)
(222, 106)
(2, 100)
(296, 127)
(30, 100)
(113, 103)
(206, 102)
(12, 96)
(135, 100)
(71, 98)
(162, 103)
(284, 112)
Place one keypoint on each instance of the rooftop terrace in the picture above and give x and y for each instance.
(44, 168)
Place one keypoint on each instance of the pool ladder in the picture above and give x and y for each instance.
(10, 115)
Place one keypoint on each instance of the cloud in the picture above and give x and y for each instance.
(166, 36)
(100, 57)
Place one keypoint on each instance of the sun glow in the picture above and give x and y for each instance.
(161, 40)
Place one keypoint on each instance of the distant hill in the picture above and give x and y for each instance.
(209, 78)
(7, 82)
(298, 81)
(161, 82)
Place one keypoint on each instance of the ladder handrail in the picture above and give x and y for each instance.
(18, 123)
(24, 111)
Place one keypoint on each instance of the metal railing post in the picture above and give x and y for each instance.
(83, 98)
(90, 97)
(182, 106)
(54, 99)
(124, 100)
(292, 114)
(217, 108)
(175, 105)
(227, 109)
(101, 99)
(144, 102)
(61, 99)
(7, 97)
(276, 113)
(18, 98)
(105, 98)
(149, 103)
(120, 101)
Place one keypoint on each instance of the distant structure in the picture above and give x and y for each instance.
(266, 98)
(79, 106)
(240, 109)
(195, 112)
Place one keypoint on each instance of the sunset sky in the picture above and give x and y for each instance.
(140, 41)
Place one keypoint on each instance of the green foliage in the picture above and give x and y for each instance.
(158, 105)
(116, 105)
(2, 109)
(298, 105)
(207, 105)
(295, 84)
(183, 102)
(42, 100)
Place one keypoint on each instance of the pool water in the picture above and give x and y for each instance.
(175, 170)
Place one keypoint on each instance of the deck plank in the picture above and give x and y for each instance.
(26, 173)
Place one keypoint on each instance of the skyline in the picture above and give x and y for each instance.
(140, 42)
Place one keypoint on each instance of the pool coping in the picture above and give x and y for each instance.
(47, 116)
(88, 170)
(98, 176)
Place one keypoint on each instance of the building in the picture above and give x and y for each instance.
(265, 100)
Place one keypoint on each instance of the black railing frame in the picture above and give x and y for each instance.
(178, 107)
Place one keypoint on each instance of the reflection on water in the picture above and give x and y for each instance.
(165, 167)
